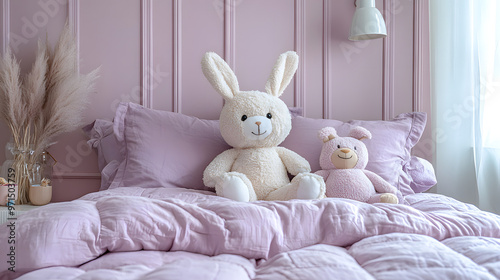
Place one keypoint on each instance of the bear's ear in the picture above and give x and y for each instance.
(360, 133)
(327, 133)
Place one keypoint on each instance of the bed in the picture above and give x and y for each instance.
(154, 219)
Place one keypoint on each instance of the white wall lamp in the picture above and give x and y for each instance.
(367, 22)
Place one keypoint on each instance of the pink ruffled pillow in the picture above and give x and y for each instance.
(389, 149)
(164, 149)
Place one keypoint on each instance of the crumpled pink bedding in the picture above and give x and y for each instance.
(135, 233)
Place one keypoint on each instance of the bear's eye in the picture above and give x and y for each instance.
(243, 118)
(338, 146)
(269, 115)
(355, 148)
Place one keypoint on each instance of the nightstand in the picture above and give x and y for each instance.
(19, 210)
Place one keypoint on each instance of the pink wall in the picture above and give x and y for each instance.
(150, 50)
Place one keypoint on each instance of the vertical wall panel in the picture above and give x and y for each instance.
(300, 44)
(355, 85)
(422, 98)
(260, 39)
(29, 21)
(388, 78)
(162, 54)
(229, 30)
(74, 24)
(112, 43)
(202, 31)
(327, 61)
(403, 55)
(146, 53)
(4, 19)
(313, 74)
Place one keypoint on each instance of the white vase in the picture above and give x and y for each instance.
(40, 195)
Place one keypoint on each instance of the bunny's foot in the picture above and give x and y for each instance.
(236, 186)
(389, 198)
(384, 198)
(303, 186)
(310, 186)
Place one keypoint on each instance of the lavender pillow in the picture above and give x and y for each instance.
(100, 133)
(389, 149)
(104, 141)
(422, 174)
(296, 111)
(109, 157)
(164, 149)
(102, 138)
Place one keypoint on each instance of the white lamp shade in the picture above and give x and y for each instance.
(367, 22)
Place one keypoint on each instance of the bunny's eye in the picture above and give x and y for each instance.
(355, 148)
(269, 115)
(338, 146)
(243, 118)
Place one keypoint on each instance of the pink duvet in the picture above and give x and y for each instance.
(134, 233)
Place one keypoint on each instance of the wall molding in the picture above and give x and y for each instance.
(177, 66)
(229, 33)
(388, 63)
(5, 25)
(300, 48)
(327, 114)
(147, 53)
(74, 175)
(418, 65)
(74, 23)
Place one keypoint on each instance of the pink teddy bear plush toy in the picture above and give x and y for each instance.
(343, 160)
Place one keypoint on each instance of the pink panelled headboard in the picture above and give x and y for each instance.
(150, 51)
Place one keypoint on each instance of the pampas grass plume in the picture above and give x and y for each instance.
(49, 100)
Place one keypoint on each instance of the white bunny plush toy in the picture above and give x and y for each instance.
(254, 123)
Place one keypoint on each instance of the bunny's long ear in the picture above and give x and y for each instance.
(220, 75)
(282, 73)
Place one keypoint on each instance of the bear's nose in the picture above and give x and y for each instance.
(257, 123)
(345, 151)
